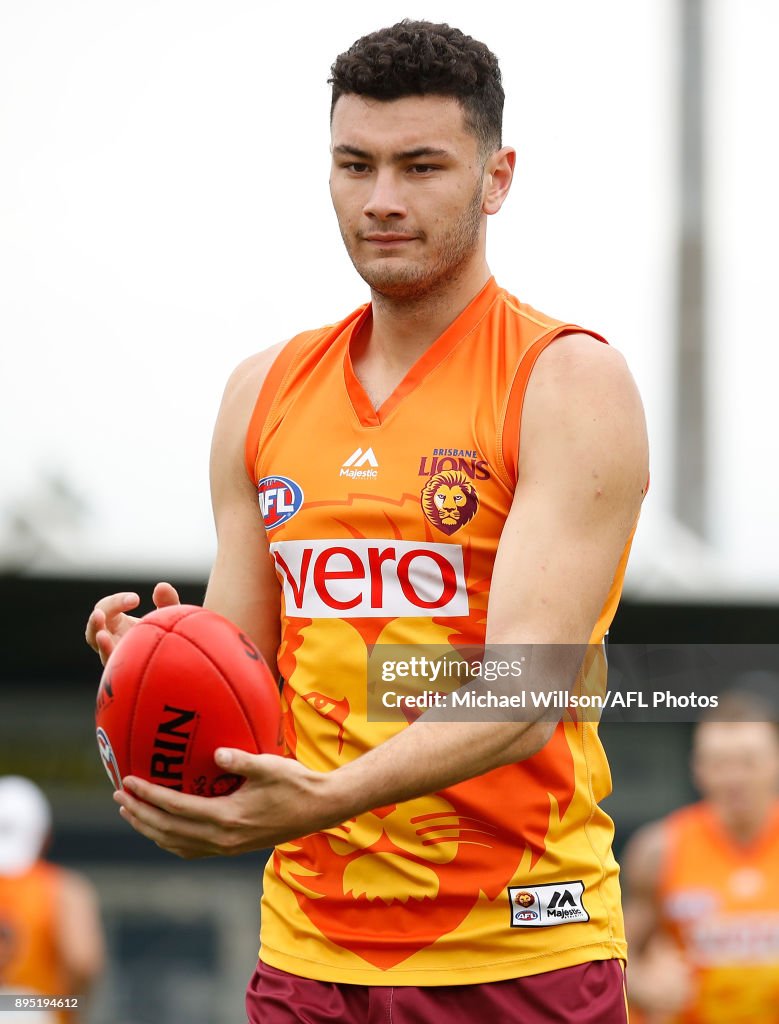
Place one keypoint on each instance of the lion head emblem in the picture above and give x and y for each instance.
(524, 899)
(449, 500)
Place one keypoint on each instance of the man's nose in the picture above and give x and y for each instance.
(385, 200)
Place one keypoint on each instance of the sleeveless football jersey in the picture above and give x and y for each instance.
(720, 903)
(27, 915)
(383, 528)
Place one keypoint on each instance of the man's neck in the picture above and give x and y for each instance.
(744, 828)
(402, 330)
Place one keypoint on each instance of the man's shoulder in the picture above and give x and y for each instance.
(514, 306)
(252, 371)
(562, 341)
(644, 857)
(248, 376)
(586, 390)
(651, 843)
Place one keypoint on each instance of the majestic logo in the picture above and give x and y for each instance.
(353, 467)
(449, 501)
(559, 903)
(370, 578)
(280, 498)
(108, 758)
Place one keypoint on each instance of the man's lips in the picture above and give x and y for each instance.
(388, 239)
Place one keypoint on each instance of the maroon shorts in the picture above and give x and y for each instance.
(591, 993)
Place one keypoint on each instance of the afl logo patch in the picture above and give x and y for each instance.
(108, 758)
(280, 498)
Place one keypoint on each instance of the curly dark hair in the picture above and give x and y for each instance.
(418, 58)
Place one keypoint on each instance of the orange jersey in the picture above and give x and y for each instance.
(720, 904)
(383, 528)
(28, 905)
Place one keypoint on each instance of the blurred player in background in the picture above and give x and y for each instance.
(52, 937)
(25, 1016)
(702, 885)
(451, 868)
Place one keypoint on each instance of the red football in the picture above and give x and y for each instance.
(181, 683)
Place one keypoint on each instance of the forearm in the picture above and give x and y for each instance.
(440, 750)
(426, 758)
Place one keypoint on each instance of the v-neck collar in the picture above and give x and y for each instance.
(439, 350)
(756, 844)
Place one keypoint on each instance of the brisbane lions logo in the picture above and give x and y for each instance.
(524, 899)
(449, 500)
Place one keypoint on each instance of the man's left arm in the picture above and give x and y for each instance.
(581, 478)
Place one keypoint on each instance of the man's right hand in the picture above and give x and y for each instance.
(109, 621)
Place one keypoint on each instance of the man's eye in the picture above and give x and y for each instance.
(422, 168)
(357, 168)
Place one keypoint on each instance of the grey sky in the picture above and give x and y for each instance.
(164, 209)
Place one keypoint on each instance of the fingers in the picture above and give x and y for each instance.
(104, 644)
(115, 604)
(175, 833)
(109, 620)
(189, 826)
(166, 801)
(95, 623)
(105, 615)
(165, 595)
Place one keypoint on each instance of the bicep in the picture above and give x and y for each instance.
(581, 478)
(243, 585)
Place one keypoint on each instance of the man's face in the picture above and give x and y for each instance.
(736, 765)
(407, 184)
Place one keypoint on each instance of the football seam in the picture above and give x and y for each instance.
(163, 633)
(225, 680)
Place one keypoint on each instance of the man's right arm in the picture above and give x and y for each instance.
(243, 585)
(658, 978)
(79, 933)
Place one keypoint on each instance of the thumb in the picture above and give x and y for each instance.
(165, 595)
(241, 761)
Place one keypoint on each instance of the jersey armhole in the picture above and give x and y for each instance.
(270, 392)
(508, 438)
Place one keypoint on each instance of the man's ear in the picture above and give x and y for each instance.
(498, 175)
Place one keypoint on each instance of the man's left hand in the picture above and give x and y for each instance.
(280, 800)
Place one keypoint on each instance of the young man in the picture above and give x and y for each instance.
(449, 867)
(702, 900)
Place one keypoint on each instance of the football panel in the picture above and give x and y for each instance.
(184, 711)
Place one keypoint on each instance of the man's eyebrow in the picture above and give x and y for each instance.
(407, 154)
(411, 154)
